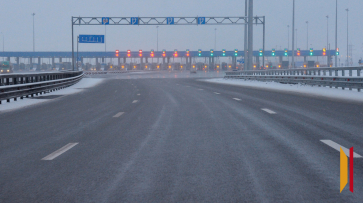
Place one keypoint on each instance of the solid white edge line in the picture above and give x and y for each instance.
(337, 147)
(134, 101)
(118, 114)
(269, 111)
(216, 93)
(237, 99)
(59, 151)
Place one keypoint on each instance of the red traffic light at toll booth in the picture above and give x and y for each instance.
(298, 52)
(152, 53)
(128, 53)
(140, 53)
(117, 53)
(187, 53)
(164, 53)
(175, 53)
(324, 51)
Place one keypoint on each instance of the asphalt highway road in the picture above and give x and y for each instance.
(172, 139)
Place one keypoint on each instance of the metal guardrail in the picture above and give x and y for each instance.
(340, 71)
(103, 72)
(13, 86)
(310, 76)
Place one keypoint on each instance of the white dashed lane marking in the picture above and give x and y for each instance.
(59, 152)
(135, 101)
(269, 111)
(216, 93)
(237, 99)
(118, 114)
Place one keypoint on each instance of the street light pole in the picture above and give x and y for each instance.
(246, 66)
(307, 35)
(105, 38)
(327, 38)
(215, 38)
(347, 39)
(296, 37)
(293, 34)
(336, 32)
(33, 14)
(3, 42)
(157, 38)
(250, 34)
(288, 37)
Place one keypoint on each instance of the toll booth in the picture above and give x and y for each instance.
(194, 67)
(268, 65)
(239, 67)
(200, 66)
(22, 66)
(134, 66)
(146, 66)
(224, 66)
(123, 66)
(285, 64)
(217, 67)
(317, 64)
(205, 67)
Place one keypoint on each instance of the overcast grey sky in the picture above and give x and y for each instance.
(53, 24)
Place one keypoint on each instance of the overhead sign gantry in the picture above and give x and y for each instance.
(165, 21)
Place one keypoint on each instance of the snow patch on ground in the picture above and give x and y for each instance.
(346, 94)
(80, 86)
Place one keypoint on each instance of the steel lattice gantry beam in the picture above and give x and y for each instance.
(165, 21)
